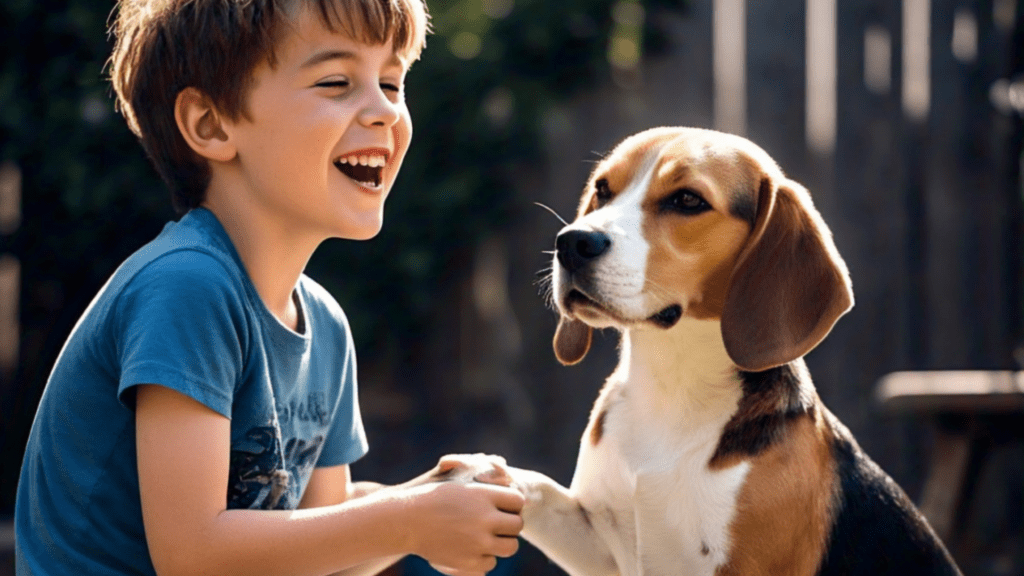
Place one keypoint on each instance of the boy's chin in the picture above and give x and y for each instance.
(362, 231)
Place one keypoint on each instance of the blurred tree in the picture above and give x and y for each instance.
(480, 97)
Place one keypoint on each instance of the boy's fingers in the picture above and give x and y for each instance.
(487, 563)
(508, 499)
(508, 525)
(506, 546)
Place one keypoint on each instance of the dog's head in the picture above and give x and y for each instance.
(686, 222)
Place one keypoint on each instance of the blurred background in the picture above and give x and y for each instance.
(903, 118)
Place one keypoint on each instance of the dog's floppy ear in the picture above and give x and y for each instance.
(789, 285)
(572, 340)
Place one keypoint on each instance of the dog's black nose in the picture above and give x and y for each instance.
(576, 248)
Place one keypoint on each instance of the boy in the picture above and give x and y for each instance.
(209, 389)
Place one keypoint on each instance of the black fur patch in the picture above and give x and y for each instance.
(877, 530)
(771, 401)
(744, 207)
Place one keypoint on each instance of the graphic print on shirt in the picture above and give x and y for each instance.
(261, 478)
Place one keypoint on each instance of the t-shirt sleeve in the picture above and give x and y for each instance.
(346, 439)
(181, 324)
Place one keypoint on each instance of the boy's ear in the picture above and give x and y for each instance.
(201, 125)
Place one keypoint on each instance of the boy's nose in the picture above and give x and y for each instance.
(379, 110)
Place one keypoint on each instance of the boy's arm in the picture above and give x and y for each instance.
(332, 485)
(183, 457)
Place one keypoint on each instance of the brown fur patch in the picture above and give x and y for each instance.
(597, 428)
(692, 257)
(610, 394)
(785, 510)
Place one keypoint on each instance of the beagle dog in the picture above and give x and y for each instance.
(708, 451)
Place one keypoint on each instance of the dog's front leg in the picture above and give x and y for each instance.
(556, 523)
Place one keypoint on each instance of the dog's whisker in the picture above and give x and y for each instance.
(552, 210)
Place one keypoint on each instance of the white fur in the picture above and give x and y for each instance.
(653, 504)
(622, 271)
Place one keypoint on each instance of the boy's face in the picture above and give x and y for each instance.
(327, 131)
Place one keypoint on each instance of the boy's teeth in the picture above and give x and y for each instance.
(375, 161)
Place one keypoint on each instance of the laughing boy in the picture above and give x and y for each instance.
(203, 413)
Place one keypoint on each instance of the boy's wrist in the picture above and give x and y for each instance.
(407, 511)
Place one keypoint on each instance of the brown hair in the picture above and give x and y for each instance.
(165, 46)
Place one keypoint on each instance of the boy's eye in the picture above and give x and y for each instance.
(391, 87)
(333, 84)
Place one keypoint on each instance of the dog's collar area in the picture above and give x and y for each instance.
(668, 316)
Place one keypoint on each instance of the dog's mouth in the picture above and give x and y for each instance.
(365, 169)
(584, 307)
(576, 299)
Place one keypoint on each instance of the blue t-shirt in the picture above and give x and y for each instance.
(182, 313)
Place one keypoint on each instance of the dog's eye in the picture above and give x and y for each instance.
(685, 202)
(602, 192)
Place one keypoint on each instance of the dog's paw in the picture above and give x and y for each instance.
(530, 484)
(467, 468)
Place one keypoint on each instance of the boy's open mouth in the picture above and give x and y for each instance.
(365, 169)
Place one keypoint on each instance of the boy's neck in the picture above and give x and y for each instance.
(273, 253)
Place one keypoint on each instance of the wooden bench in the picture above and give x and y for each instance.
(964, 407)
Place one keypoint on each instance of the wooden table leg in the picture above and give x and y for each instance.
(944, 486)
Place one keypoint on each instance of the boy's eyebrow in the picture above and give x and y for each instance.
(326, 55)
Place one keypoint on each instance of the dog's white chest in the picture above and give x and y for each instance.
(655, 502)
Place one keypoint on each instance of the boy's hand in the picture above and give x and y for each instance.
(462, 527)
